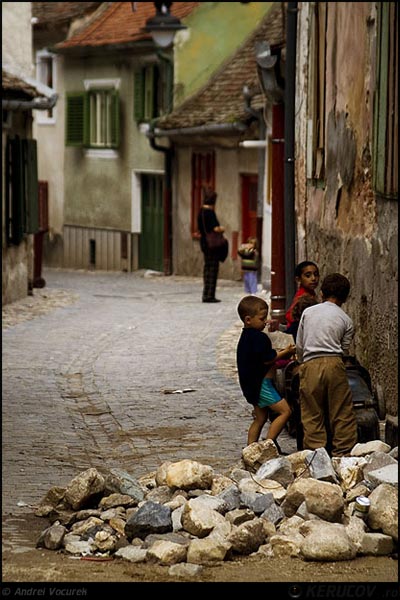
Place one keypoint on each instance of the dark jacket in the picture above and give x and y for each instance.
(206, 221)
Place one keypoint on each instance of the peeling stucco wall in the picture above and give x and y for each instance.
(343, 225)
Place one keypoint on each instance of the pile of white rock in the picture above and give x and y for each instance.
(186, 515)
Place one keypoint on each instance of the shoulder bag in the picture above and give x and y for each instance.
(217, 242)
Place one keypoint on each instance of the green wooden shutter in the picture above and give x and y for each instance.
(31, 191)
(76, 119)
(115, 119)
(14, 191)
(86, 119)
(138, 96)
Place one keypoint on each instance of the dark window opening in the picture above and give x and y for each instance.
(92, 252)
(124, 245)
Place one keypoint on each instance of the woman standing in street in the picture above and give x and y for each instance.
(206, 222)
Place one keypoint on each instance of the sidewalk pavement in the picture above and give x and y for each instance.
(86, 362)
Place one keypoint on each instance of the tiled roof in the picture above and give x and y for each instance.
(13, 85)
(118, 24)
(56, 13)
(17, 87)
(221, 99)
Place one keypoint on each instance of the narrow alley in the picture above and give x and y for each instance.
(87, 362)
(83, 385)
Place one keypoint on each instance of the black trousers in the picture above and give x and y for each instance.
(210, 275)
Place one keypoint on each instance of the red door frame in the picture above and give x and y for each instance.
(249, 206)
(251, 223)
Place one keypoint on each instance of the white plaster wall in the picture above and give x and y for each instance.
(17, 37)
(266, 227)
(50, 138)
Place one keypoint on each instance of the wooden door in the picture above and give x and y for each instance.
(250, 226)
(151, 244)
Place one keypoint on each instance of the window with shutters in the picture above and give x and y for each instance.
(103, 123)
(93, 116)
(21, 189)
(386, 101)
(46, 74)
(153, 91)
(203, 176)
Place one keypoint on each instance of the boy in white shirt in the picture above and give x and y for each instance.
(324, 336)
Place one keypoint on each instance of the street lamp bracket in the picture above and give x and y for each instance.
(163, 26)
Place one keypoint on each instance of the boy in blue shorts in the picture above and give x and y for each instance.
(255, 361)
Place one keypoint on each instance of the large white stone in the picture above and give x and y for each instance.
(167, 553)
(369, 447)
(258, 453)
(82, 487)
(207, 550)
(189, 475)
(132, 553)
(384, 511)
(326, 541)
(200, 520)
(322, 499)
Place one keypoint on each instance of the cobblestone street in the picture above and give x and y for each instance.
(86, 361)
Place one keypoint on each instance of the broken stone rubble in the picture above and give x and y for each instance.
(299, 505)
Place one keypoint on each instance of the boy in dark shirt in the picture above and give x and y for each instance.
(255, 362)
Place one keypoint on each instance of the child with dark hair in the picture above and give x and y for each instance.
(323, 338)
(307, 278)
(255, 362)
(302, 303)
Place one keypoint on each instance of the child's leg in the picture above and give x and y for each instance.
(284, 411)
(253, 282)
(247, 282)
(260, 416)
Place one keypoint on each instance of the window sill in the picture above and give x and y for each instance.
(101, 153)
(46, 121)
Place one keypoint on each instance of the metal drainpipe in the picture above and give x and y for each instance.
(167, 199)
(258, 114)
(36, 104)
(289, 191)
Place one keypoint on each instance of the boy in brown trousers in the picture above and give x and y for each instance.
(324, 336)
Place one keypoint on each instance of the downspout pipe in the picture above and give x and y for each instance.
(167, 198)
(289, 165)
(46, 97)
(35, 104)
(258, 115)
